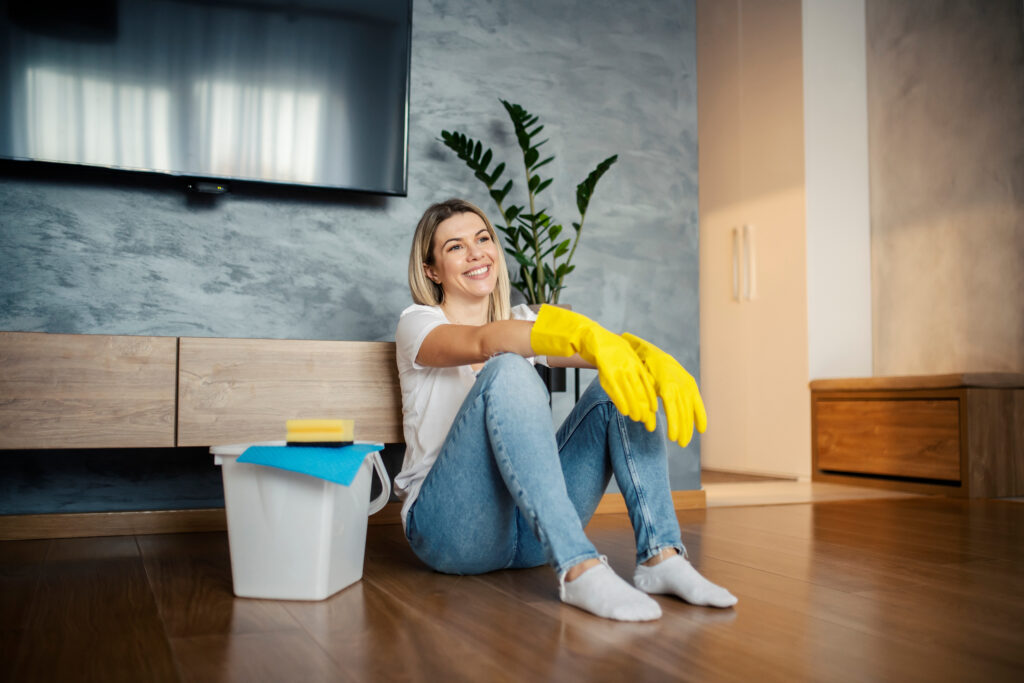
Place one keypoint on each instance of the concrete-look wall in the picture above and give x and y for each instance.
(112, 257)
(946, 111)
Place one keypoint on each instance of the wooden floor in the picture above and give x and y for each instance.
(916, 589)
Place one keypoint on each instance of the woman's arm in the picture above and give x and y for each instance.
(573, 361)
(451, 345)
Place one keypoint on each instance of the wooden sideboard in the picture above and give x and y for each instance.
(97, 391)
(87, 391)
(958, 434)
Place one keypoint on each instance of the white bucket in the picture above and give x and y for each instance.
(293, 536)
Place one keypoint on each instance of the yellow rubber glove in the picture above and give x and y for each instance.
(561, 332)
(677, 388)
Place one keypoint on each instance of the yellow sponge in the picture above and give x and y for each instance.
(334, 432)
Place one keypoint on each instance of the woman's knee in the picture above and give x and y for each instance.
(514, 374)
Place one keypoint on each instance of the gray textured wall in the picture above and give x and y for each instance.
(606, 77)
(946, 125)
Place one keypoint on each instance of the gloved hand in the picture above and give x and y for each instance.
(677, 388)
(561, 332)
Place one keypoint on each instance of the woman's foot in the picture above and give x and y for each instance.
(601, 591)
(674, 575)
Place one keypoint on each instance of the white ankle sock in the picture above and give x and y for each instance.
(677, 576)
(601, 591)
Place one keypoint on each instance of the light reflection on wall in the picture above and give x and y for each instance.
(258, 132)
(95, 122)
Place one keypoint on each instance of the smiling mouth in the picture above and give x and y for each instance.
(478, 272)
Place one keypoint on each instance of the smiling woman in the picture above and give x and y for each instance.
(487, 483)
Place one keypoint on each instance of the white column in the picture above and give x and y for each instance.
(836, 171)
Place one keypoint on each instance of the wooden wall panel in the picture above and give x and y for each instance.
(86, 391)
(243, 390)
(905, 438)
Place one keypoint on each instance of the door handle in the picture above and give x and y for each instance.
(749, 262)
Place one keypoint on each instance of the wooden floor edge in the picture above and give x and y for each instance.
(83, 524)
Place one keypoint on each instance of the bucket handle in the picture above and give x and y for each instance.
(378, 503)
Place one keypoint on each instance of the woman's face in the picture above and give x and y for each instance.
(465, 258)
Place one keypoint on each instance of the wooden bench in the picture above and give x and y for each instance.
(959, 434)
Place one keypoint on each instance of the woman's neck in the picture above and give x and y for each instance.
(466, 313)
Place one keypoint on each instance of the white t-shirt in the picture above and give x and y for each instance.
(430, 396)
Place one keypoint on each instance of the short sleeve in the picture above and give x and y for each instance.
(415, 323)
(523, 312)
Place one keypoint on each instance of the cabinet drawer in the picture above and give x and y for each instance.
(902, 438)
(86, 391)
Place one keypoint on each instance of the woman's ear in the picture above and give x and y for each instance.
(431, 274)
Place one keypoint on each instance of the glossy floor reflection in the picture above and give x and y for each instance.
(911, 589)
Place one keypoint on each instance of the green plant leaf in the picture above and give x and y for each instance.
(549, 276)
(554, 232)
(512, 211)
(543, 185)
(585, 190)
(530, 158)
(562, 248)
(541, 163)
(521, 259)
(498, 170)
(534, 182)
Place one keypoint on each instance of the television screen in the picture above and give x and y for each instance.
(303, 92)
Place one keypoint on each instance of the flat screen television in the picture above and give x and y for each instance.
(298, 92)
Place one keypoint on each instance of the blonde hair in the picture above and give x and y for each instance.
(429, 293)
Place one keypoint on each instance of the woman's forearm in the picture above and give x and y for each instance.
(451, 345)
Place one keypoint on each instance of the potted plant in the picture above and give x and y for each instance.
(541, 248)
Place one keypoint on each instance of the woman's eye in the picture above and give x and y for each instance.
(454, 247)
(485, 239)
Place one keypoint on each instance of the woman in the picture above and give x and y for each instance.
(487, 484)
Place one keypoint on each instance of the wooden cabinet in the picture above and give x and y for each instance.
(86, 391)
(97, 391)
(957, 434)
(753, 292)
(243, 390)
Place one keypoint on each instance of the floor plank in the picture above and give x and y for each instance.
(910, 589)
(93, 618)
(21, 564)
(191, 579)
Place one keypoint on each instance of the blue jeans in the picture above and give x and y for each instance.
(506, 492)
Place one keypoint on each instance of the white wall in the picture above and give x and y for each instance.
(838, 202)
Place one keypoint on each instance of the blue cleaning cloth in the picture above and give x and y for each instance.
(339, 465)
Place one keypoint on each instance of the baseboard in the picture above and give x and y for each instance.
(77, 525)
(24, 527)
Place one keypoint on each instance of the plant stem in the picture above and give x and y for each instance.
(538, 295)
(568, 259)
